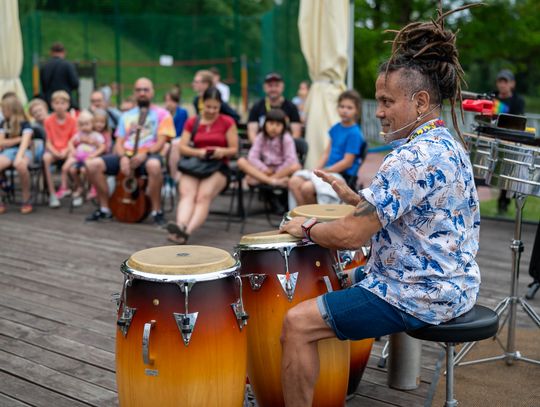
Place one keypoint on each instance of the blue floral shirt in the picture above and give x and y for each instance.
(423, 259)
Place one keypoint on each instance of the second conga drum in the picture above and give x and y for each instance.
(283, 271)
(343, 260)
(179, 340)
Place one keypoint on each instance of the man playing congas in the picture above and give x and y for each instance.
(421, 213)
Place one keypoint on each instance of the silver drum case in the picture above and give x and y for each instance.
(480, 154)
(514, 167)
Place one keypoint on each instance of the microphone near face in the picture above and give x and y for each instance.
(384, 135)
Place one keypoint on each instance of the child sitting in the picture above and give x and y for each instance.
(272, 157)
(60, 127)
(341, 157)
(85, 144)
(101, 126)
(15, 139)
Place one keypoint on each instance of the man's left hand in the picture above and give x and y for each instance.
(294, 227)
(137, 160)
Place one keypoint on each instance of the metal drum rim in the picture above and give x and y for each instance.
(180, 278)
(271, 246)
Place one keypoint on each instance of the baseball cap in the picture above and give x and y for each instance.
(505, 74)
(273, 76)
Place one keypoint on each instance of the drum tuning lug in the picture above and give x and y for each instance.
(256, 281)
(288, 283)
(186, 325)
(115, 297)
(124, 321)
(241, 315)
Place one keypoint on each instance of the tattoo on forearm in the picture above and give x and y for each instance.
(364, 208)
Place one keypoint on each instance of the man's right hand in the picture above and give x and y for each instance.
(345, 193)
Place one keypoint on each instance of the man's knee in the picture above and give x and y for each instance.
(153, 168)
(307, 188)
(292, 323)
(95, 165)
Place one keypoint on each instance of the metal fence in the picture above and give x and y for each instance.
(371, 125)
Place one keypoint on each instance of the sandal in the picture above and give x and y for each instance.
(177, 233)
(26, 208)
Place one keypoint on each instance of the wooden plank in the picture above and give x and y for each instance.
(59, 363)
(56, 381)
(364, 401)
(391, 396)
(6, 401)
(34, 395)
(58, 344)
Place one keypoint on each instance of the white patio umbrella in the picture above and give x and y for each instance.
(11, 51)
(324, 37)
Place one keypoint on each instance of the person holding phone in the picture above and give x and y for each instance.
(213, 135)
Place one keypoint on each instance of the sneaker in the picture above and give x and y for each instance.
(26, 208)
(159, 218)
(98, 215)
(77, 201)
(62, 192)
(54, 202)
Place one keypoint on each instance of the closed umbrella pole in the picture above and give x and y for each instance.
(11, 51)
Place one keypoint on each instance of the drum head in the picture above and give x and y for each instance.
(323, 213)
(273, 236)
(181, 260)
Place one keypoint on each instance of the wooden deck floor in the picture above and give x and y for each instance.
(57, 319)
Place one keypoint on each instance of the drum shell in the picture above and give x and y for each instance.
(268, 306)
(515, 167)
(211, 370)
(480, 154)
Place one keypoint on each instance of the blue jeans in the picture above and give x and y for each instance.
(357, 313)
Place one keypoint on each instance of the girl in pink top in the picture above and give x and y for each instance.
(85, 144)
(272, 157)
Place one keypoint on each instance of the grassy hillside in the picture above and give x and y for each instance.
(92, 37)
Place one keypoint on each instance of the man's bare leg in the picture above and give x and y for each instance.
(303, 327)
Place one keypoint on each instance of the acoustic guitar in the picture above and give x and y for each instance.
(129, 202)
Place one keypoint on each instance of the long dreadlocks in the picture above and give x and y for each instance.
(427, 53)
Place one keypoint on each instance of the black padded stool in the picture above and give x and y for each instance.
(477, 324)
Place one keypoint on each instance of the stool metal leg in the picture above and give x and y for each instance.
(509, 303)
(450, 400)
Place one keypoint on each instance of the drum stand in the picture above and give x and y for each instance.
(509, 303)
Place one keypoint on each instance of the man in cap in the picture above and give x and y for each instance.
(507, 101)
(273, 88)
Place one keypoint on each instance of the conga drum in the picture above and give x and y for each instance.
(344, 260)
(179, 340)
(283, 271)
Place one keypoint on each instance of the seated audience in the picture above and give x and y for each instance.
(15, 138)
(201, 82)
(300, 99)
(85, 144)
(273, 88)
(60, 126)
(213, 135)
(341, 157)
(272, 157)
(157, 127)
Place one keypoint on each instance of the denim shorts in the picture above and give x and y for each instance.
(356, 313)
(112, 164)
(11, 153)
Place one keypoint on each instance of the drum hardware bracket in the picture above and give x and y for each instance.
(328, 284)
(146, 343)
(238, 308)
(256, 280)
(125, 318)
(186, 322)
(341, 275)
(288, 283)
(287, 280)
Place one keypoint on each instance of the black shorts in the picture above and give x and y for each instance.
(112, 164)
